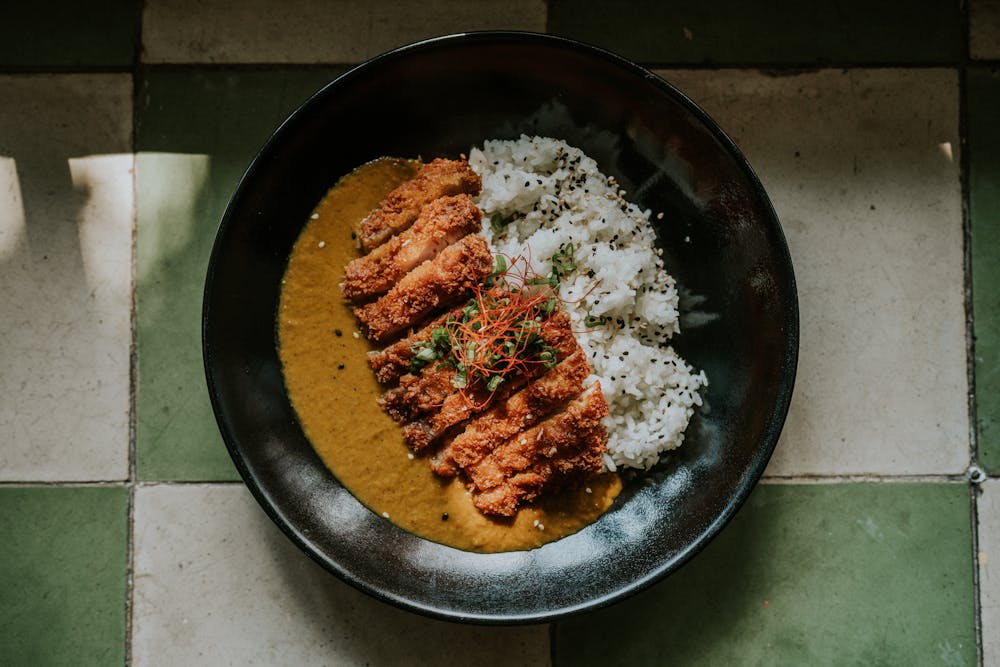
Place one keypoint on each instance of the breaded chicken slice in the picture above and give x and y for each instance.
(458, 406)
(440, 223)
(420, 394)
(435, 284)
(401, 207)
(559, 471)
(518, 412)
(393, 361)
(566, 447)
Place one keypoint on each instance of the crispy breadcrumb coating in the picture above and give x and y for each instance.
(440, 223)
(401, 207)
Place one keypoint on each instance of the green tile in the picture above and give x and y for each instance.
(831, 574)
(983, 91)
(67, 33)
(63, 567)
(734, 31)
(197, 131)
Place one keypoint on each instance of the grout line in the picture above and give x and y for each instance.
(802, 65)
(65, 69)
(864, 478)
(133, 344)
(145, 484)
(791, 67)
(977, 605)
(13, 484)
(970, 338)
(970, 332)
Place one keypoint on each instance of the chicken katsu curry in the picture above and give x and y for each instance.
(477, 347)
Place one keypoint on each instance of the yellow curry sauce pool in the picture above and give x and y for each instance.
(334, 393)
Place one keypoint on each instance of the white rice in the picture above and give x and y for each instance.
(556, 195)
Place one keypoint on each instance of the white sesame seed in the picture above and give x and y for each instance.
(385, 514)
(409, 456)
(357, 335)
(535, 523)
(322, 244)
(659, 216)
(314, 216)
(588, 490)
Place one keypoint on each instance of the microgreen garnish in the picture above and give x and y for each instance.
(501, 330)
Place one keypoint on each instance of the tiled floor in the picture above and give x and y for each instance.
(124, 533)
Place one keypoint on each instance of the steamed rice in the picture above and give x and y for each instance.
(554, 194)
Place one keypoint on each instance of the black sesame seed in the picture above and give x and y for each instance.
(340, 367)
(444, 516)
(338, 332)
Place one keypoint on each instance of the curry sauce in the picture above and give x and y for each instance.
(334, 393)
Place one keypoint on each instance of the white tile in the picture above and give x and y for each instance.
(315, 31)
(989, 570)
(863, 169)
(66, 218)
(216, 583)
(984, 29)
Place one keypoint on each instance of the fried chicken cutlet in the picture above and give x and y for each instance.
(540, 429)
(458, 406)
(518, 412)
(438, 178)
(565, 447)
(440, 223)
(432, 285)
(393, 361)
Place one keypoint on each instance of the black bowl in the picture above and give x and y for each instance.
(721, 240)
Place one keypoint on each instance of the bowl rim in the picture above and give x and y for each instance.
(742, 489)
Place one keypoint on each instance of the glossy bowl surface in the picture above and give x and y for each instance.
(721, 241)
